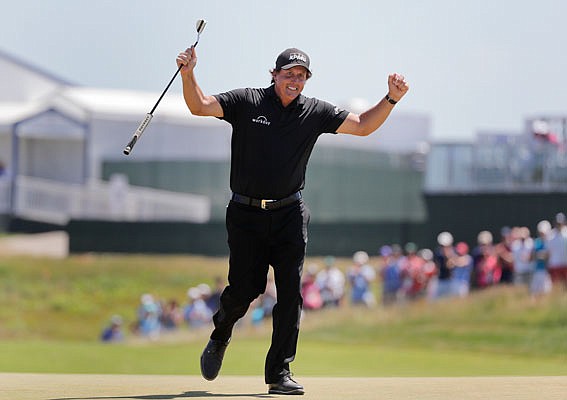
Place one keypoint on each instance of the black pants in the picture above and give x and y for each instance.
(257, 239)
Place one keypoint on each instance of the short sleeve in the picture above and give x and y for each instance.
(331, 116)
(230, 101)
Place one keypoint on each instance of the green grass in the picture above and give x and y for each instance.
(246, 357)
(500, 321)
(53, 310)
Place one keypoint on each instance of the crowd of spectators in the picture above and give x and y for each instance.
(397, 274)
(453, 269)
(155, 317)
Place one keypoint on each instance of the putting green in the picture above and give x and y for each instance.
(146, 387)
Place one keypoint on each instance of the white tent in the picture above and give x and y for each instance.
(54, 136)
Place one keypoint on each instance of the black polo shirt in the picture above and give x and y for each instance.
(271, 144)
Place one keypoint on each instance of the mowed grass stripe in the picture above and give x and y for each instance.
(246, 357)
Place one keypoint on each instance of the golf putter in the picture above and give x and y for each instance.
(144, 124)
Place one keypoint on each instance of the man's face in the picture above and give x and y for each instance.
(289, 83)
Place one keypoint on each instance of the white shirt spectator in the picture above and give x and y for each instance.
(333, 280)
(557, 247)
(521, 251)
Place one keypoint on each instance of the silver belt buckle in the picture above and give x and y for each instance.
(264, 203)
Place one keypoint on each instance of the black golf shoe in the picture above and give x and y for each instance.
(286, 385)
(211, 359)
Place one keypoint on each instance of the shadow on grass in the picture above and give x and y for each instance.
(190, 394)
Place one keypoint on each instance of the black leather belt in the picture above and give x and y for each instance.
(266, 204)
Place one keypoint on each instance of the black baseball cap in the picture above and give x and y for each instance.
(292, 57)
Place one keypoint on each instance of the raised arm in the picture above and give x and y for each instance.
(196, 100)
(370, 120)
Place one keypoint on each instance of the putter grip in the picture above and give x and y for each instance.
(141, 128)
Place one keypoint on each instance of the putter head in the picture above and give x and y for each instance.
(200, 25)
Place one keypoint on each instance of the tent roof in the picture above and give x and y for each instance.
(130, 104)
(13, 112)
(28, 90)
(22, 82)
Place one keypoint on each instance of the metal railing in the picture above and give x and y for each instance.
(511, 166)
(56, 202)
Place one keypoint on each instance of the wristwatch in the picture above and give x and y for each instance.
(390, 100)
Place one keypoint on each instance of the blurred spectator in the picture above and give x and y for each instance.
(206, 294)
(196, 313)
(415, 277)
(172, 315)
(392, 274)
(257, 312)
(149, 311)
(541, 282)
(522, 249)
(557, 247)
(486, 270)
(360, 275)
(312, 299)
(544, 143)
(113, 332)
(504, 254)
(262, 307)
(331, 283)
(214, 299)
(444, 252)
(270, 296)
(430, 272)
(462, 265)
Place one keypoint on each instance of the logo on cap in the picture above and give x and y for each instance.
(298, 56)
(292, 57)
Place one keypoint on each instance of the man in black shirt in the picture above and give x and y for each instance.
(274, 130)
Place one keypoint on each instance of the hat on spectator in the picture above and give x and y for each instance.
(396, 249)
(204, 289)
(445, 239)
(543, 226)
(484, 237)
(540, 127)
(426, 254)
(147, 298)
(194, 293)
(385, 251)
(329, 261)
(312, 269)
(360, 257)
(410, 247)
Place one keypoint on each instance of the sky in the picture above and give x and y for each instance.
(471, 65)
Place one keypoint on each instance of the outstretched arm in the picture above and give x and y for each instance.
(196, 100)
(370, 120)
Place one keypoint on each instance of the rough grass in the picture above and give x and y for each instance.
(74, 298)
